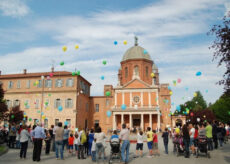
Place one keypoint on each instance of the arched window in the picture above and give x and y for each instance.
(126, 72)
(136, 70)
(147, 71)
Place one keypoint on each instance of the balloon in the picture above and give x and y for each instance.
(30, 119)
(172, 103)
(49, 94)
(169, 88)
(152, 74)
(38, 111)
(78, 73)
(25, 116)
(64, 48)
(60, 108)
(170, 92)
(43, 117)
(204, 116)
(174, 82)
(102, 77)
(135, 106)
(123, 106)
(77, 46)
(108, 113)
(37, 82)
(48, 77)
(104, 62)
(198, 119)
(198, 73)
(125, 42)
(206, 91)
(34, 83)
(115, 42)
(178, 108)
(107, 93)
(194, 94)
(51, 74)
(20, 124)
(177, 130)
(178, 80)
(186, 88)
(66, 123)
(145, 51)
(12, 116)
(46, 103)
(42, 113)
(73, 73)
(62, 63)
(191, 114)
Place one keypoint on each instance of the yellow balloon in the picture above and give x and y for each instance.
(36, 82)
(195, 94)
(177, 130)
(77, 46)
(64, 48)
(24, 115)
(170, 92)
(43, 117)
(125, 42)
(152, 74)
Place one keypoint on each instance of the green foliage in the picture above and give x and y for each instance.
(3, 106)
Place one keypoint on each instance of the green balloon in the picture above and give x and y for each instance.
(30, 119)
(46, 103)
(49, 94)
(104, 62)
(78, 73)
(62, 63)
(12, 116)
(108, 93)
(73, 73)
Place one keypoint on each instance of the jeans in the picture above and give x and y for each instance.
(23, 150)
(186, 144)
(125, 149)
(48, 143)
(89, 147)
(166, 147)
(11, 141)
(18, 144)
(59, 146)
(37, 149)
(93, 156)
(100, 150)
(215, 141)
(210, 146)
(65, 142)
(221, 141)
(81, 151)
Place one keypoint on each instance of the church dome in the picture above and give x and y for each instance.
(136, 52)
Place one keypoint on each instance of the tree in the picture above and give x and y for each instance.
(221, 46)
(203, 115)
(15, 115)
(3, 106)
(221, 108)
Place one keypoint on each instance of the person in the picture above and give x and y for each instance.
(99, 139)
(82, 139)
(53, 128)
(165, 137)
(149, 140)
(214, 134)
(47, 142)
(155, 144)
(86, 145)
(124, 137)
(191, 134)
(196, 137)
(93, 151)
(139, 146)
(51, 136)
(59, 133)
(12, 135)
(24, 138)
(38, 134)
(65, 137)
(71, 140)
(209, 135)
(76, 143)
(31, 133)
(114, 137)
(17, 138)
(186, 139)
(90, 141)
(220, 134)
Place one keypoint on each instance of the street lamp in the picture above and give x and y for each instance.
(42, 78)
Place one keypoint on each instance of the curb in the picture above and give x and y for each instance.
(5, 151)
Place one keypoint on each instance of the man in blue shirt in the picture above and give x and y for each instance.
(38, 134)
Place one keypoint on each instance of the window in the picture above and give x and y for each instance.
(97, 107)
(36, 103)
(59, 83)
(107, 102)
(69, 103)
(155, 80)
(147, 71)
(8, 103)
(28, 84)
(136, 70)
(69, 82)
(57, 103)
(39, 83)
(18, 84)
(10, 84)
(68, 122)
(46, 123)
(56, 122)
(48, 83)
(16, 103)
(26, 103)
(96, 123)
(87, 107)
(126, 72)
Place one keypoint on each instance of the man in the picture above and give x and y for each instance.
(81, 137)
(209, 136)
(165, 137)
(52, 136)
(150, 141)
(124, 136)
(38, 135)
(59, 141)
(214, 134)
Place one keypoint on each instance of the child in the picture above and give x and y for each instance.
(150, 141)
(139, 145)
(48, 142)
(76, 143)
(165, 137)
(155, 144)
(71, 139)
(93, 151)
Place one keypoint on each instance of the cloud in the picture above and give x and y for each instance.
(14, 8)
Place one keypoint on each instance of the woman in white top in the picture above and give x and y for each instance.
(24, 137)
(139, 146)
(99, 137)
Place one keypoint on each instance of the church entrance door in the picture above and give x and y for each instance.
(136, 122)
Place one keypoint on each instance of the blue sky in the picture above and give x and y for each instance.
(173, 32)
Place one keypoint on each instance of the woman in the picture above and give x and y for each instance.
(24, 138)
(186, 139)
(65, 137)
(99, 139)
(91, 138)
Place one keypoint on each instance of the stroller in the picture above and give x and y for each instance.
(202, 146)
(179, 145)
(115, 151)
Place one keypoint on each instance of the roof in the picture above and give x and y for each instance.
(136, 52)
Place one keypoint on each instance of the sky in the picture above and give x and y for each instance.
(33, 32)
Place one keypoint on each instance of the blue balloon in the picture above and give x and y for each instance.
(206, 91)
(186, 88)
(24, 113)
(123, 106)
(20, 124)
(198, 73)
(108, 113)
(42, 113)
(102, 77)
(145, 51)
(24, 119)
(66, 123)
(115, 42)
(60, 108)
(172, 103)
(169, 88)
(178, 108)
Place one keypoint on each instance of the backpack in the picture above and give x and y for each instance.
(83, 138)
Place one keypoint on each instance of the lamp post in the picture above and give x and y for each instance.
(42, 78)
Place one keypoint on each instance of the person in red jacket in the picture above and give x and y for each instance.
(71, 140)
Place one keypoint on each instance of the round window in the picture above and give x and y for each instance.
(136, 99)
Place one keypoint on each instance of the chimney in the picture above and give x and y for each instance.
(52, 69)
(24, 71)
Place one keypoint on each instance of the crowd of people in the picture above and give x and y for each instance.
(85, 143)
